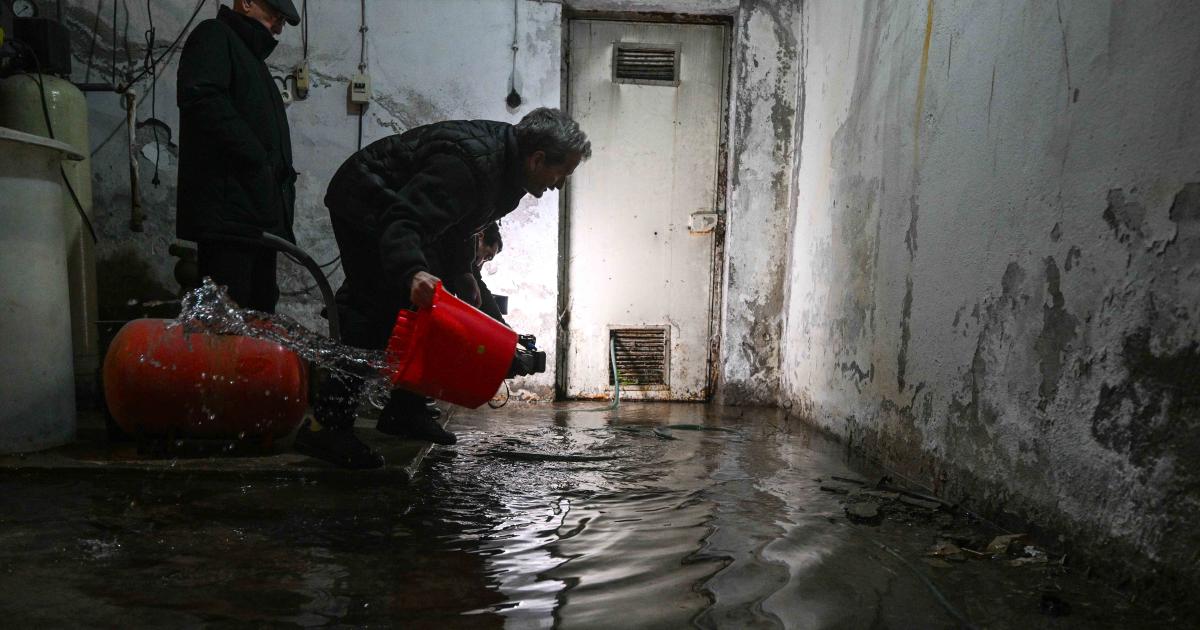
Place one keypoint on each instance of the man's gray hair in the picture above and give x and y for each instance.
(553, 132)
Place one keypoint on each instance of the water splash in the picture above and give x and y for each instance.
(208, 309)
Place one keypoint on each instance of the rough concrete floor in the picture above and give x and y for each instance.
(93, 453)
(650, 515)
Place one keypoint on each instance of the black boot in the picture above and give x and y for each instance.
(338, 446)
(414, 418)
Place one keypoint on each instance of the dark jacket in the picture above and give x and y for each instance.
(487, 301)
(235, 149)
(440, 182)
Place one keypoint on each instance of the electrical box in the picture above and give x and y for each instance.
(360, 89)
(302, 80)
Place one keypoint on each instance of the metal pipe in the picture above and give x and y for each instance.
(135, 193)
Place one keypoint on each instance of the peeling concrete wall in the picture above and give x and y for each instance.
(428, 61)
(994, 282)
(765, 94)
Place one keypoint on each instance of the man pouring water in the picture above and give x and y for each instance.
(391, 202)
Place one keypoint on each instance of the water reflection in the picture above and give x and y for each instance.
(711, 529)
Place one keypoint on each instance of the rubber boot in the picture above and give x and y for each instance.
(413, 417)
(336, 445)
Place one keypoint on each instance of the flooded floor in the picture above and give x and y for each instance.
(540, 516)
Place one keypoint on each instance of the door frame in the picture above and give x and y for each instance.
(562, 314)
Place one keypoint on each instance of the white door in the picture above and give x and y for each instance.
(642, 212)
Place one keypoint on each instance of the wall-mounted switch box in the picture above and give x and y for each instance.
(360, 89)
(302, 80)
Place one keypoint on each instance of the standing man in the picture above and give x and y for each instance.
(388, 204)
(235, 149)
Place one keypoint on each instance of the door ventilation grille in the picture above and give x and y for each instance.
(641, 356)
(645, 65)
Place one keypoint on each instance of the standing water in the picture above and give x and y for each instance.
(647, 516)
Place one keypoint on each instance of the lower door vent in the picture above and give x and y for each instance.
(642, 357)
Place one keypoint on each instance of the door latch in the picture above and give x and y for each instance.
(702, 222)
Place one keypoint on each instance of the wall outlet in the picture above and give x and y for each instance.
(302, 80)
(360, 89)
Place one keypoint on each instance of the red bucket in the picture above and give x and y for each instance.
(450, 351)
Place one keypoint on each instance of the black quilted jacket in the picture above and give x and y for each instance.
(447, 179)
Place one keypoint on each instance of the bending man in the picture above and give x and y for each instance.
(391, 201)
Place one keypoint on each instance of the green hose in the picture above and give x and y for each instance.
(616, 401)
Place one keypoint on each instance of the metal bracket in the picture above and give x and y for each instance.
(702, 222)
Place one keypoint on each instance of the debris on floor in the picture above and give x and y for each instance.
(881, 499)
(864, 512)
(868, 503)
(948, 551)
(1001, 545)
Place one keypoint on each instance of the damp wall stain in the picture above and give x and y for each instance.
(1033, 356)
(765, 77)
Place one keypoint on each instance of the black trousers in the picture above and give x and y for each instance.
(339, 393)
(247, 271)
(367, 308)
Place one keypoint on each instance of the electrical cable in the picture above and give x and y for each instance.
(304, 29)
(362, 62)
(122, 88)
(513, 99)
(360, 123)
(149, 65)
(87, 76)
(933, 590)
(362, 30)
(113, 26)
(507, 396)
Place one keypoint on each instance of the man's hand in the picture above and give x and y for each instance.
(423, 286)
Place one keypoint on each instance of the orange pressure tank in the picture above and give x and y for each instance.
(160, 381)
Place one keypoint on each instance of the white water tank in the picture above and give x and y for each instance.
(21, 109)
(37, 385)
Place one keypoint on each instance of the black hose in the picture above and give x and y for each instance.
(276, 243)
(289, 249)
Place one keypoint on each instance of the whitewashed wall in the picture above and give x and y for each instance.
(429, 60)
(995, 262)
